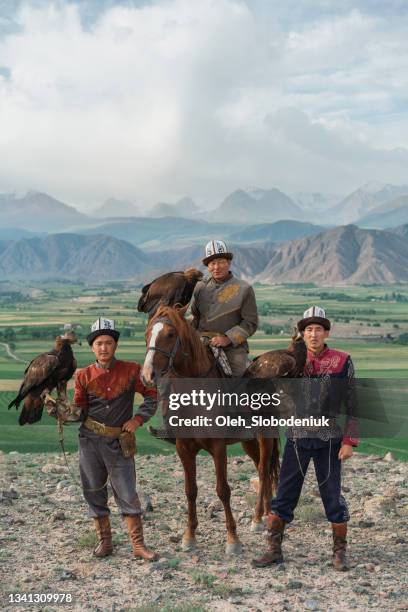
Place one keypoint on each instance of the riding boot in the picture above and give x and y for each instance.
(135, 529)
(340, 546)
(276, 527)
(103, 529)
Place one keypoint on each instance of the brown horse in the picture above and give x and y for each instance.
(174, 349)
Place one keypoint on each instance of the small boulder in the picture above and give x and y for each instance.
(379, 505)
(52, 468)
(389, 457)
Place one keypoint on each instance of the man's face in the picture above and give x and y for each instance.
(315, 337)
(104, 348)
(219, 268)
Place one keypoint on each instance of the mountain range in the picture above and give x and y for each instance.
(373, 205)
(342, 255)
(275, 238)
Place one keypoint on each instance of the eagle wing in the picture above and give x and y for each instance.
(35, 375)
(39, 370)
(169, 289)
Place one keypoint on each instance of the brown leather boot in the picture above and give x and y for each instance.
(135, 528)
(276, 527)
(103, 529)
(340, 546)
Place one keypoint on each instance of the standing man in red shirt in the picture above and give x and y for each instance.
(104, 391)
(327, 446)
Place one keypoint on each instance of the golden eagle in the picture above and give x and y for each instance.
(281, 363)
(170, 289)
(44, 373)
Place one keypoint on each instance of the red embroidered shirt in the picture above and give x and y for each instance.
(107, 395)
(337, 364)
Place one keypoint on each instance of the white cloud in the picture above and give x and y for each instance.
(200, 97)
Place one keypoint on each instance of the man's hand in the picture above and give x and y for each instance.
(345, 452)
(131, 425)
(220, 341)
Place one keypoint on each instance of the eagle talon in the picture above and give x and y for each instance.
(48, 399)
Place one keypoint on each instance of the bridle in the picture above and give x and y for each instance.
(169, 354)
(172, 354)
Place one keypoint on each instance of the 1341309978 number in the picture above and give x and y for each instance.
(40, 598)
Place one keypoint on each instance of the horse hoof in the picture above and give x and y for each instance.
(257, 527)
(234, 548)
(188, 545)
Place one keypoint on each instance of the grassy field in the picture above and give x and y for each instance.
(367, 321)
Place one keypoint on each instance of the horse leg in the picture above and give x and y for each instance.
(252, 449)
(219, 455)
(188, 454)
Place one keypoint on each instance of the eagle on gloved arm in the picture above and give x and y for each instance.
(170, 289)
(43, 374)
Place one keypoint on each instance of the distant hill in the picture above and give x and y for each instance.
(260, 205)
(16, 233)
(280, 231)
(342, 255)
(116, 208)
(362, 202)
(160, 233)
(401, 230)
(390, 214)
(71, 256)
(38, 212)
(316, 202)
(354, 206)
(183, 208)
(384, 192)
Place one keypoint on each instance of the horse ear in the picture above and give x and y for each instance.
(182, 309)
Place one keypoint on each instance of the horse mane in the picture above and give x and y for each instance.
(189, 338)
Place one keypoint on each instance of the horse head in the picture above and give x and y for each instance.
(173, 347)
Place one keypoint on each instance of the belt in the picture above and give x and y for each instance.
(102, 429)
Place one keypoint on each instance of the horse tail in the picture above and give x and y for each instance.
(275, 464)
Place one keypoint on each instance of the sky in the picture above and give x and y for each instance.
(154, 100)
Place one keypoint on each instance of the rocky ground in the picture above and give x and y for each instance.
(46, 542)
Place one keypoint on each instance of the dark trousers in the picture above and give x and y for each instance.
(291, 480)
(101, 458)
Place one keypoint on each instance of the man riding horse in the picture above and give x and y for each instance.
(224, 307)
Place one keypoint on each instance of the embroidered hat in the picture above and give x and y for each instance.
(103, 327)
(314, 314)
(216, 249)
